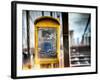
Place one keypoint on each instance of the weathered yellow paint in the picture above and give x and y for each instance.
(46, 60)
(47, 22)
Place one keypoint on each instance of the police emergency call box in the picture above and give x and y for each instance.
(47, 42)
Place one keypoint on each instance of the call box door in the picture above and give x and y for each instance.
(47, 44)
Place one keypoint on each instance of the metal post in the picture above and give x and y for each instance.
(28, 33)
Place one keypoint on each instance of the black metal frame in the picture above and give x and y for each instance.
(14, 38)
